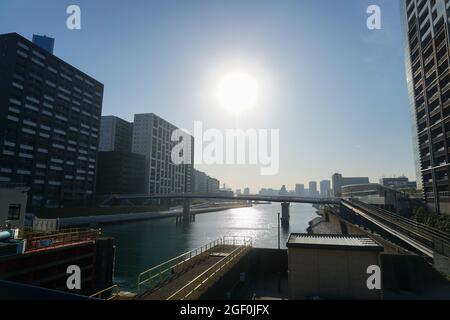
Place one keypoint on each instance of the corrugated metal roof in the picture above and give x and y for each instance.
(333, 241)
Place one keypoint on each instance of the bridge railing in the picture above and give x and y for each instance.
(219, 196)
(153, 277)
(195, 288)
(109, 293)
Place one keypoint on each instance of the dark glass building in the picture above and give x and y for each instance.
(116, 134)
(49, 125)
(119, 170)
(121, 173)
(426, 39)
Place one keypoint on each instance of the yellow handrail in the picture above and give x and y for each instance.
(115, 292)
(176, 265)
(201, 281)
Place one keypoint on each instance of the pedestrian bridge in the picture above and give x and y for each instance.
(220, 196)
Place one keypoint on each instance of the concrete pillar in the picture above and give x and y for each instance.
(104, 263)
(187, 210)
(285, 216)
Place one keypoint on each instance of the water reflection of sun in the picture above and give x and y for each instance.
(248, 222)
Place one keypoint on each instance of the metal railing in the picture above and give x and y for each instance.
(29, 231)
(431, 238)
(200, 284)
(156, 276)
(36, 241)
(111, 292)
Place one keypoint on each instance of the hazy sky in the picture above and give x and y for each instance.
(335, 89)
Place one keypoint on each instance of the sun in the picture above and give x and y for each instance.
(237, 92)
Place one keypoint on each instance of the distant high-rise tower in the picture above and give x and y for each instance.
(325, 186)
(44, 42)
(426, 41)
(313, 189)
(300, 190)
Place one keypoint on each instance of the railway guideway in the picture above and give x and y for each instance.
(425, 239)
(188, 276)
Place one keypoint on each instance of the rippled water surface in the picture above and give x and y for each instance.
(141, 245)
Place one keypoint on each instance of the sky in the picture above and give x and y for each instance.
(335, 89)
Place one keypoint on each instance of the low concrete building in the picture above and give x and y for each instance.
(204, 183)
(384, 197)
(331, 266)
(339, 181)
(13, 206)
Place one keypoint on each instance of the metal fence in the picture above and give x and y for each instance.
(110, 293)
(39, 240)
(194, 289)
(156, 276)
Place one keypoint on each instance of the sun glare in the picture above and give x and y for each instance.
(237, 92)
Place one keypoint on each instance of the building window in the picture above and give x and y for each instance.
(14, 212)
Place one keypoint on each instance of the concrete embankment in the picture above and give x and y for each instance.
(131, 217)
(322, 225)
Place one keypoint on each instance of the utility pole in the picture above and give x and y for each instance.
(279, 248)
(279, 231)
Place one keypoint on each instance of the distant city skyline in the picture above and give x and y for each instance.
(170, 57)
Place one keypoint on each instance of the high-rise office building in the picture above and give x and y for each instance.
(119, 170)
(325, 186)
(152, 137)
(300, 190)
(426, 41)
(116, 134)
(339, 181)
(44, 42)
(246, 191)
(49, 125)
(313, 189)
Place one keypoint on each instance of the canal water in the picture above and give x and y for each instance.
(142, 245)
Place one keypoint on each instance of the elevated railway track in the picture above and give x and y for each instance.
(423, 238)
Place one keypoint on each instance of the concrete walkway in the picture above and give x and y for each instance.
(172, 285)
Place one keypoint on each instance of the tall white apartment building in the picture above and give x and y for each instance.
(152, 138)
